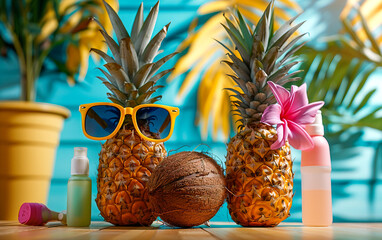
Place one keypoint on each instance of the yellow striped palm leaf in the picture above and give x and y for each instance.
(79, 23)
(362, 24)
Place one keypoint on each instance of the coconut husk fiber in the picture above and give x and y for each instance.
(186, 189)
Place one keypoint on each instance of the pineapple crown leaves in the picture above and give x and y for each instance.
(263, 55)
(132, 73)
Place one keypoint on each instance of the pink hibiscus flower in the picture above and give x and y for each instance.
(290, 114)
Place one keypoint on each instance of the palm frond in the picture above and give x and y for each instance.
(362, 25)
(339, 73)
(341, 83)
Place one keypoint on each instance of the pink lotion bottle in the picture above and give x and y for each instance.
(315, 178)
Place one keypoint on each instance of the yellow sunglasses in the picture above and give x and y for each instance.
(152, 122)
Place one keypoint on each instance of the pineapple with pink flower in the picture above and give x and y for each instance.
(259, 164)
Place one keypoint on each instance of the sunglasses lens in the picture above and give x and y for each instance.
(101, 121)
(154, 122)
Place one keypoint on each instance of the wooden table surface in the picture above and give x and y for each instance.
(216, 230)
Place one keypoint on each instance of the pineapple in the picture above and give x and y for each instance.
(259, 179)
(126, 160)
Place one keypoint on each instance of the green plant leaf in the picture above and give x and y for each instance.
(241, 73)
(114, 99)
(146, 31)
(161, 74)
(153, 46)
(118, 74)
(118, 26)
(55, 4)
(280, 42)
(238, 34)
(105, 57)
(113, 46)
(238, 43)
(141, 76)
(261, 24)
(320, 76)
(351, 78)
(283, 29)
(145, 96)
(283, 71)
(239, 63)
(227, 48)
(240, 82)
(129, 58)
(146, 87)
(270, 58)
(331, 86)
(158, 64)
(244, 30)
(120, 95)
(292, 51)
(339, 80)
(361, 85)
(365, 100)
(137, 25)
(111, 79)
(155, 99)
(371, 120)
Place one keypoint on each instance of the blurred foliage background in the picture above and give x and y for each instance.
(55, 33)
(330, 70)
(342, 66)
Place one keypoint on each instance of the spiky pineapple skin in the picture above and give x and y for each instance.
(259, 179)
(126, 162)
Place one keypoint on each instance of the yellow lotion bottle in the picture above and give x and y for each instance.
(79, 190)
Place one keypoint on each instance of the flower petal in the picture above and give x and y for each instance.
(298, 137)
(305, 114)
(282, 134)
(281, 94)
(271, 115)
(299, 97)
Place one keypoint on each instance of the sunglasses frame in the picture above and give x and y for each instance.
(84, 108)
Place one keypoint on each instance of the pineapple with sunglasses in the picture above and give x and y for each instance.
(134, 128)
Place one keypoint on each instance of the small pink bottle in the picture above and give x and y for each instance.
(315, 178)
(37, 214)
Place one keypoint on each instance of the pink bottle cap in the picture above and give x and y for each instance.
(316, 128)
(31, 213)
(319, 155)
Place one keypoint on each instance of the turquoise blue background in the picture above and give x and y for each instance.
(357, 185)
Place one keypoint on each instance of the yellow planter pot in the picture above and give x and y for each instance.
(29, 136)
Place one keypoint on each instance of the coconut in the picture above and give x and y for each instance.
(186, 189)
